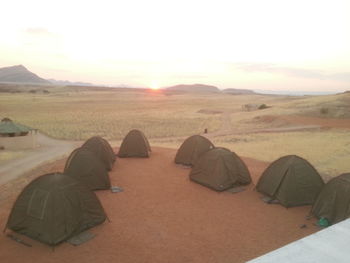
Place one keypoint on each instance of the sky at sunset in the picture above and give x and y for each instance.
(301, 45)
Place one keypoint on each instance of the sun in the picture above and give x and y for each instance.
(155, 86)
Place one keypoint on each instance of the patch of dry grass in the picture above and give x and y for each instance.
(331, 106)
(6, 155)
(328, 151)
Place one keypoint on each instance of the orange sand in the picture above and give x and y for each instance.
(164, 217)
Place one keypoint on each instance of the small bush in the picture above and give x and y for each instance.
(324, 111)
(263, 106)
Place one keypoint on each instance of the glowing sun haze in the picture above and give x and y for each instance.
(256, 44)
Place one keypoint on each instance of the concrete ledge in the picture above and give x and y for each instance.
(328, 245)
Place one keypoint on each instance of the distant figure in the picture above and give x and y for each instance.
(205, 130)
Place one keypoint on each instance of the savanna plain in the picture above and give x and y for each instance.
(313, 127)
(161, 216)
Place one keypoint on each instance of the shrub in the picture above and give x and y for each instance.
(263, 106)
(324, 111)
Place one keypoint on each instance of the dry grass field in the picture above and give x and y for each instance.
(168, 117)
(80, 115)
(77, 115)
(328, 151)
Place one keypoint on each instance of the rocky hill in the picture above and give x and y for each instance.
(194, 88)
(69, 83)
(19, 74)
(238, 91)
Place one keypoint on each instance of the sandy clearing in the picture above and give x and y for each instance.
(164, 217)
(50, 149)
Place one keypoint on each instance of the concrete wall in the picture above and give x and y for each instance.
(19, 142)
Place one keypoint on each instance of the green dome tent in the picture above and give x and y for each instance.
(102, 149)
(53, 208)
(84, 166)
(220, 169)
(291, 180)
(191, 149)
(333, 202)
(135, 144)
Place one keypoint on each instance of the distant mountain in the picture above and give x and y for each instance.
(238, 91)
(294, 92)
(194, 88)
(69, 83)
(19, 74)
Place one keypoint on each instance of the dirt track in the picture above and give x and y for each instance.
(322, 122)
(164, 217)
(49, 150)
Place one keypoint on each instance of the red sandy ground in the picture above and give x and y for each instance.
(164, 217)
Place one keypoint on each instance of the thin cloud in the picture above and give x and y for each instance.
(60, 70)
(345, 76)
(292, 72)
(38, 31)
(189, 76)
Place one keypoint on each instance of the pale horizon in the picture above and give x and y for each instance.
(259, 45)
